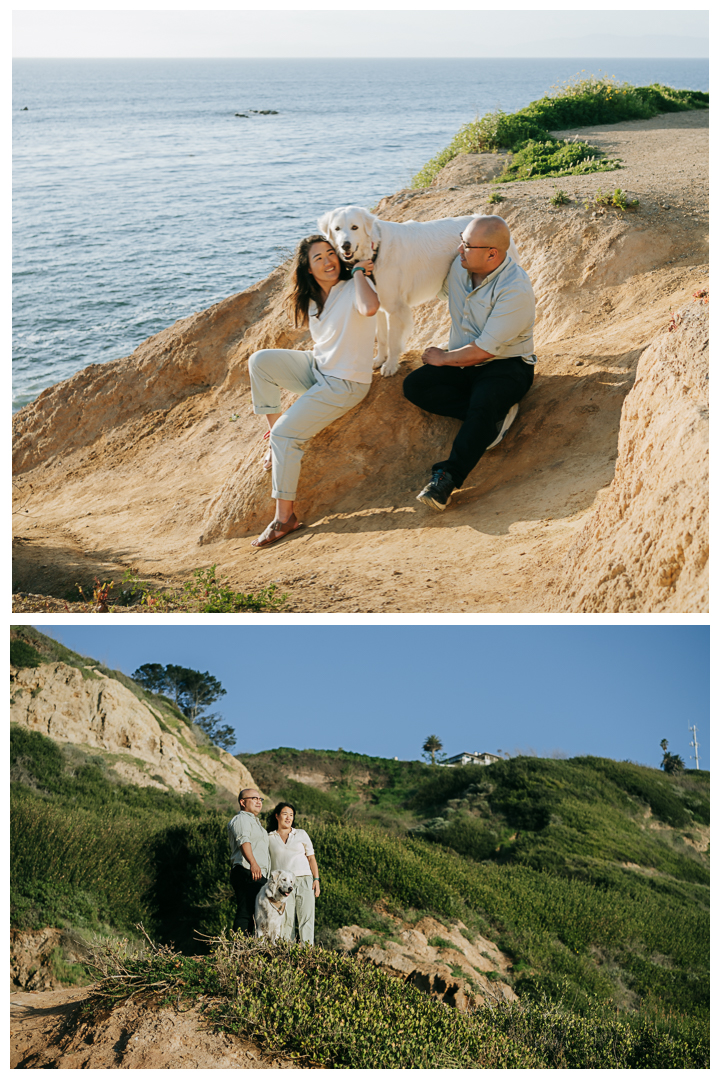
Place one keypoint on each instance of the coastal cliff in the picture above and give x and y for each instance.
(142, 743)
(154, 461)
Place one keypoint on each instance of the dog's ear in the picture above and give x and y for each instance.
(375, 229)
(324, 223)
(274, 876)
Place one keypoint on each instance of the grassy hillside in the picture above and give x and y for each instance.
(591, 874)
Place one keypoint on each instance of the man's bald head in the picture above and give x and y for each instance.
(488, 230)
(251, 800)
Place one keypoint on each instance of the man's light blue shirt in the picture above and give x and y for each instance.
(246, 827)
(497, 316)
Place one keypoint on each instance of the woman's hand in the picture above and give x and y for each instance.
(316, 888)
(367, 264)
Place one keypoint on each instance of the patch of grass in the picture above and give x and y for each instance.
(617, 200)
(559, 197)
(67, 972)
(206, 592)
(495, 197)
(22, 654)
(580, 102)
(438, 942)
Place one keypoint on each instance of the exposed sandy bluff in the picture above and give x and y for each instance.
(596, 501)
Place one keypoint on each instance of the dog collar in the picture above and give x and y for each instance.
(279, 905)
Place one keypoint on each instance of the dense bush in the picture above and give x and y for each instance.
(22, 654)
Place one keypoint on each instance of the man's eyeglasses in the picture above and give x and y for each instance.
(474, 247)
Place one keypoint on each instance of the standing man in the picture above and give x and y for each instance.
(249, 858)
(489, 363)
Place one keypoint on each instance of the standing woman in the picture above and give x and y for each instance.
(291, 849)
(338, 305)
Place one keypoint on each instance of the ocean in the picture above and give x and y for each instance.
(140, 197)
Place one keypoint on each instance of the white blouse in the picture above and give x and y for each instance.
(292, 854)
(343, 339)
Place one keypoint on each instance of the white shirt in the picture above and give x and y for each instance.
(291, 855)
(343, 339)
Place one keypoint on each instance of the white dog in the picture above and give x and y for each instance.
(413, 258)
(270, 904)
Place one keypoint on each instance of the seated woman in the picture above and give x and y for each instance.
(338, 304)
(291, 849)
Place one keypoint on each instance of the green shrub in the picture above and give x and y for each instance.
(332, 1011)
(578, 103)
(22, 654)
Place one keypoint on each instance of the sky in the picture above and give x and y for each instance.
(378, 30)
(610, 691)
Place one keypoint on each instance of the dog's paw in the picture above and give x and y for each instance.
(389, 368)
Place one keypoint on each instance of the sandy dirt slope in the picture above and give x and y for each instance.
(45, 1034)
(141, 462)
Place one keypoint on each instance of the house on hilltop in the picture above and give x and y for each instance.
(471, 759)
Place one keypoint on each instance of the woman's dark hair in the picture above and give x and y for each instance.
(273, 816)
(303, 287)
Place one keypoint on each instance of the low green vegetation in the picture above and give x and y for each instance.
(590, 874)
(205, 592)
(23, 654)
(326, 1010)
(615, 200)
(580, 102)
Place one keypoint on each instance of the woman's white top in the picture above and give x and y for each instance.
(293, 854)
(343, 339)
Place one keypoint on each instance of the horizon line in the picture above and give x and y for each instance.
(344, 60)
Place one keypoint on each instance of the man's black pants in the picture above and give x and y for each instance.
(246, 891)
(480, 396)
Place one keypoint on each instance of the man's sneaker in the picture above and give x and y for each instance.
(505, 425)
(437, 493)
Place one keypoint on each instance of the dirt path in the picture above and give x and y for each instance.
(44, 1035)
(606, 283)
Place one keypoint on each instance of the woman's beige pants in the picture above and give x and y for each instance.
(323, 399)
(301, 901)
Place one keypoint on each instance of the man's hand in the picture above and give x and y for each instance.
(434, 356)
(255, 870)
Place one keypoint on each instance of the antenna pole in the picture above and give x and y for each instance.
(694, 745)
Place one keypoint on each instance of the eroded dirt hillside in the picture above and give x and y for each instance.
(140, 743)
(154, 461)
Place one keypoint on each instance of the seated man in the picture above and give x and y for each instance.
(489, 364)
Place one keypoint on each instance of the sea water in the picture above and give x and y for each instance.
(139, 196)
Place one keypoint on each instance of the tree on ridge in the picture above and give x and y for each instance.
(432, 746)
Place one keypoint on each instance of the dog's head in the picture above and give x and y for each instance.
(282, 883)
(352, 230)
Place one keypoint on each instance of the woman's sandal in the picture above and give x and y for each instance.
(276, 530)
(267, 460)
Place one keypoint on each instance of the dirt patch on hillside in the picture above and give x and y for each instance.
(46, 1033)
(459, 968)
(140, 462)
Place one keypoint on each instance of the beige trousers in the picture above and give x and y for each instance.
(322, 400)
(301, 902)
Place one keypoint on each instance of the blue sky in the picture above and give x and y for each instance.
(378, 30)
(612, 691)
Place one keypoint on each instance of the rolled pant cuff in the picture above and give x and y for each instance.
(264, 410)
(288, 495)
